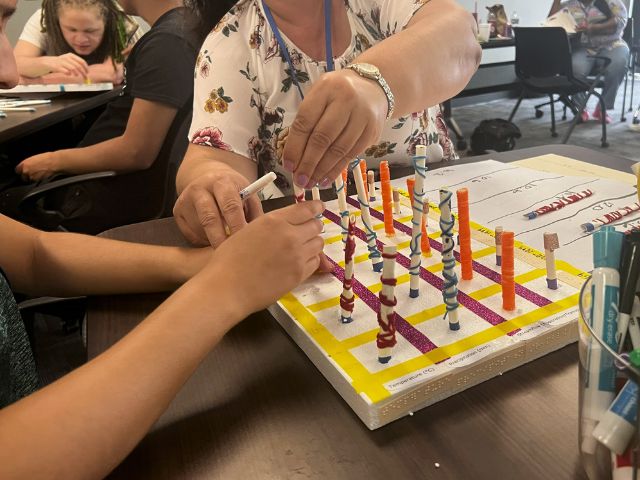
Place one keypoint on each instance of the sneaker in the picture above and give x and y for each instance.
(596, 115)
(584, 117)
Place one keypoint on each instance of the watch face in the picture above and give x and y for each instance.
(368, 69)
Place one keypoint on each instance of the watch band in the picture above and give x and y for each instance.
(377, 76)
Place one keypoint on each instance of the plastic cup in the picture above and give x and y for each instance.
(484, 31)
(595, 457)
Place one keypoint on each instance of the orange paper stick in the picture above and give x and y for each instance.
(387, 206)
(508, 273)
(464, 233)
(363, 169)
(345, 174)
(410, 187)
(425, 245)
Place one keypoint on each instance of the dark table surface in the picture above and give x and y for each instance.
(258, 408)
(62, 107)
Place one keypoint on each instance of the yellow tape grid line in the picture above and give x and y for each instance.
(372, 384)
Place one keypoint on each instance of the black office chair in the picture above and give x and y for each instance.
(543, 65)
(94, 202)
(630, 36)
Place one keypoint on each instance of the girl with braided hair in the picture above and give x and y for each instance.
(73, 41)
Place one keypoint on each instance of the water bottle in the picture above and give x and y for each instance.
(513, 22)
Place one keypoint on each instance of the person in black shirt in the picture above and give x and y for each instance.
(84, 424)
(137, 128)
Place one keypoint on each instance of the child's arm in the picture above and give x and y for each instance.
(66, 264)
(83, 425)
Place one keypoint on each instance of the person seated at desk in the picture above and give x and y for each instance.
(84, 424)
(75, 41)
(392, 58)
(601, 24)
(141, 123)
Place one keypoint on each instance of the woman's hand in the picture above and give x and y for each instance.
(211, 203)
(269, 257)
(340, 117)
(69, 64)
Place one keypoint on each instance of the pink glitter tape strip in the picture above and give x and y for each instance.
(469, 303)
(521, 290)
(414, 336)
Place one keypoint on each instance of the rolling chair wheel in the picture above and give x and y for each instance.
(604, 144)
(554, 134)
(461, 145)
(623, 118)
(539, 113)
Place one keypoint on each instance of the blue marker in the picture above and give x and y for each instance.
(599, 389)
(618, 424)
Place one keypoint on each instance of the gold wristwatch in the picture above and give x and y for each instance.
(371, 72)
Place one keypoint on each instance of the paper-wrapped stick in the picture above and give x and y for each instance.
(315, 194)
(371, 181)
(372, 245)
(387, 205)
(416, 219)
(464, 234)
(498, 237)
(341, 190)
(386, 338)
(450, 288)
(424, 239)
(363, 170)
(346, 298)
(508, 272)
(551, 243)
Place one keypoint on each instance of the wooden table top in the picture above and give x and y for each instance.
(62, 107)
(258, 408)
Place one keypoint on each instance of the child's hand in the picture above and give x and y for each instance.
(268, 257)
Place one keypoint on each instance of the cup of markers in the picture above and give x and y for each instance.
(609, 347)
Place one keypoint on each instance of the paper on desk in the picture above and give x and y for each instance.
(568, 166)
(562, 18)
(58, 87)
(500, 194)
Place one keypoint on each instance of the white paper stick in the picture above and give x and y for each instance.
(450, 290)
(341, 190)
(416, 220)
(258, 185)
(374, 253)
(386, 318)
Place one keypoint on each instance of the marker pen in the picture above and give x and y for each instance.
(629, 273)
(622, 466)
(618, 424)
(599, 388)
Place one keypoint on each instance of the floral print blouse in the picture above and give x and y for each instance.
(245, 98)
(592, 14)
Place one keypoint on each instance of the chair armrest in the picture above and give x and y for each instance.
(39, 302)
(63, 182)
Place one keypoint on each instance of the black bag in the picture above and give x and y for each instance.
(495, 134)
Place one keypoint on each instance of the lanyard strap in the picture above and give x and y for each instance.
(285, 51)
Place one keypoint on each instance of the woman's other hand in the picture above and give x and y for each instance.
(211, 203)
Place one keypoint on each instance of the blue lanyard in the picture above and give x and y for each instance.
(285, 50)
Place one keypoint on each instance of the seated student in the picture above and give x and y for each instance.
(73, 41)
(84, 424)
(137, 127)
(259, 62)
(601, 25)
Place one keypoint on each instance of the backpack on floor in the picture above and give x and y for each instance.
(495, 134)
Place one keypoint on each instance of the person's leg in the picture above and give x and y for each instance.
(582, 66)
(614, 75)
